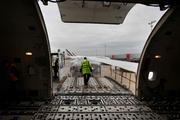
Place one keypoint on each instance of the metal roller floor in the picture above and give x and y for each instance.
(97, 86)
(103, 99)
(121, 107)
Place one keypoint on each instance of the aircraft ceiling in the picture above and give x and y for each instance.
(94, 11)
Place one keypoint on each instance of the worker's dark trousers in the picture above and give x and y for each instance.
(86, 78)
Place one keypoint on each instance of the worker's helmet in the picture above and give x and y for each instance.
(85, 58)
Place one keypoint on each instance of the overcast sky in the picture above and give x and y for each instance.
(92, 39)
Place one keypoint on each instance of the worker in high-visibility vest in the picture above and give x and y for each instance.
(86, 69)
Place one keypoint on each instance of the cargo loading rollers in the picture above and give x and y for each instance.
(103, 99)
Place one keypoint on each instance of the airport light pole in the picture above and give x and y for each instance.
(105, 49)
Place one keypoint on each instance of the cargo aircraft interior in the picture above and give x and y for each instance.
(150, 93)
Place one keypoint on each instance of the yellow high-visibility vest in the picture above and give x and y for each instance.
(85, 67)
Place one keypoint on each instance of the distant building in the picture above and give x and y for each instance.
(133, 57)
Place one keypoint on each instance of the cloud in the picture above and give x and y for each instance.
(90, 39)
